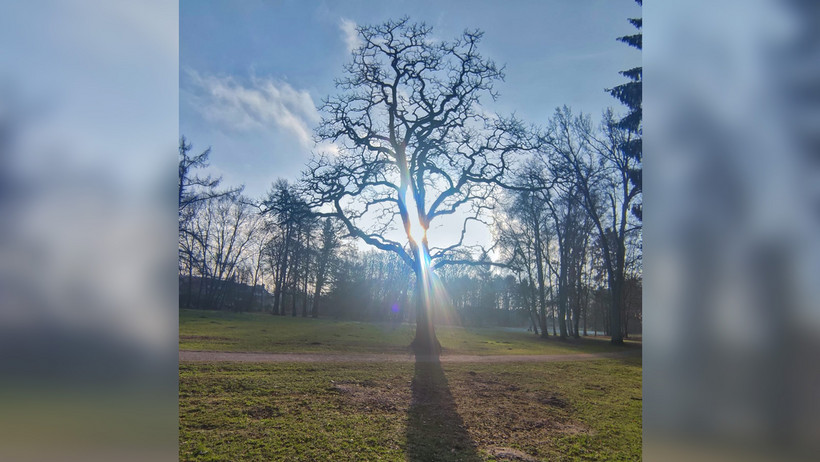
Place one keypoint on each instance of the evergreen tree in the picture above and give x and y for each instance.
(630, 94)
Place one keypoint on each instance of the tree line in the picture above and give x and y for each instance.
(276, 254)
(562, 201)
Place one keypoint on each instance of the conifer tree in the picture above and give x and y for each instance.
(630, 94)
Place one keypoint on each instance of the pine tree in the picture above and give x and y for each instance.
(630, 94)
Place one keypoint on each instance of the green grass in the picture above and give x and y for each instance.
(404, 411)
(261, 332)
(400, 411)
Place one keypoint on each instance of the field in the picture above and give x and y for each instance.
(417, 411)
(261, 332)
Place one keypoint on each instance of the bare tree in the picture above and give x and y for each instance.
(601, 171)
(414, 145)
(233, 226)
(528, 214)
(193, 192)
(516, 243)
(256, 259)
(289, 212)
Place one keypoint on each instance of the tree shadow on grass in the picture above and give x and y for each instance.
(435, 431)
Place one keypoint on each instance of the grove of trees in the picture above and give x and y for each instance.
(417, 146)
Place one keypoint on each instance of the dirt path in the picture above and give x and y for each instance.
(242, 357)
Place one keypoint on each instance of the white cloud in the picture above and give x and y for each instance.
(328, 148)
(263, 104)
(350, 34)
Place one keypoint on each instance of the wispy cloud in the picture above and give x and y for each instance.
(262, 104)
(327, 148)
(349, 33)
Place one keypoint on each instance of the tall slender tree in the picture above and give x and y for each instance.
(330, 241)
(631, 95)
(289, 211)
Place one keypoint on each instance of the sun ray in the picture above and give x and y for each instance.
(417, 231)
(435, 299)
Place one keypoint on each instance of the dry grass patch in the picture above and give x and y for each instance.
(371, 396)
(416, 412)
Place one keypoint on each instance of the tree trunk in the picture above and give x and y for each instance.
(617, 293)
(576, 306)
(320, 281)
(256, 272)
(615, 312)
(615, 324)
(425, 342)
(279, 303)
(534, 321)
(294, 279)
(304, 295)
(626, 327)
(541, 320)
(306, 274)
(278, 293)
(562, 291)
(530, 300)
(539, 267)
(586, 309)
(294, 291)
(577, 318)
(316, 294)
(190, 284)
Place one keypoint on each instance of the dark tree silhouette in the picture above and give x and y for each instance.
(194, 193)
(530, 211)
(290, 214)
(414, 145)
(630, 94)
(194, 189)
(600, 170)
(330, 242)
(519, 236)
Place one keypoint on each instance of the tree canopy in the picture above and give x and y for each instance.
(414, 141)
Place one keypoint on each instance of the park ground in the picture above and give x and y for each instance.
(552, 408)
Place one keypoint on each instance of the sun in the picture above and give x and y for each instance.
(417, 231)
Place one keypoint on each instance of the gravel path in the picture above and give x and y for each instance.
(242, 357)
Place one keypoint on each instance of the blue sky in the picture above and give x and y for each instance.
(253, 72)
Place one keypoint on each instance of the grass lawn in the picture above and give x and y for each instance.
(404, 411)
(423, 411)
(262, 332)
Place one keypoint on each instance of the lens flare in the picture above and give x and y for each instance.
(417, 231)
(435, 298)
(437, 301)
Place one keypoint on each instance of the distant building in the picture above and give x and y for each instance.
(213, 294)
